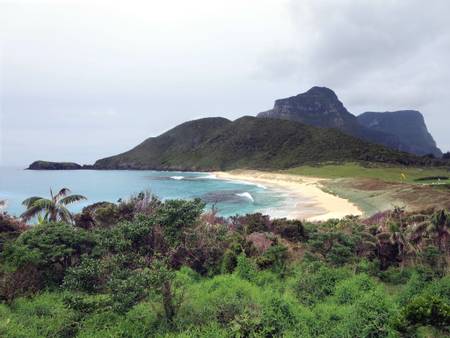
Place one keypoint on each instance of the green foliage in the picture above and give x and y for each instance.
(130, 236)
(292, 230)
(348, 291)
(88, 276)
(245, 267)
(51, 247)
(316, 282)
(429, 310)
(334, 246)
(330, 320)
(275, 258)
(432, 257)
(154, 274)
(128, 288)
(395, 275)
(84, 304)
(53, 209)
(42, 316)
(220, 299)
(372, 315)
(250, 142)
(176, 215)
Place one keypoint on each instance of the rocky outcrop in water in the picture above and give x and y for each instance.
(46, 165)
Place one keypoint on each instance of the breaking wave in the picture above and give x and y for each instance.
(246, 195)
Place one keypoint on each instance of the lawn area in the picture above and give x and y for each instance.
(384, 173)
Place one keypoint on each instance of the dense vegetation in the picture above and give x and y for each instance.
(145, 268)
(253, 143)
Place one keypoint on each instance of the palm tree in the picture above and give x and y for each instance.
(393, 236)
(439, 228)
(54, 208)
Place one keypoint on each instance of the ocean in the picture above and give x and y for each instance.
(229, 197)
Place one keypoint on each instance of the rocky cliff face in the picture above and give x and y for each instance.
(408, 125)
(321, 107)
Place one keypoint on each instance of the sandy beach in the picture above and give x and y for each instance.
(306, 198)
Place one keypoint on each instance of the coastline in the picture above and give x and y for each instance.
(307, 199)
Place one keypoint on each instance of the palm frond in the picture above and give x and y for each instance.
(62, 193)
(29, 201)
(71, 199)
(64, 214)
(30, 213)
(43, 204)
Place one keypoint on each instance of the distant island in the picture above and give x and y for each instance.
(48, 165)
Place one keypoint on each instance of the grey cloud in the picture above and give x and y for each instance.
(110, 76)
(377, 55)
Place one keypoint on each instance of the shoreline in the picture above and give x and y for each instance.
(307, 199)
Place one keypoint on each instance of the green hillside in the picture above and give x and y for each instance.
(249, 142)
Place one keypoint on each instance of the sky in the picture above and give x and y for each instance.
(82, 80)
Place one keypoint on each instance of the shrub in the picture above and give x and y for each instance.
(203, 248)
(413, 287)
(24, 281)
(135, 236)
(330, 320)
(281, 314)
(315, 283)
(335, 247)
(127, 288)
(88, 276)
(292, 230)
(425, 310)
(43, 316)
(250, 223)
(349, 290)
(176, 215)
(101, 324)
(51, 248)
(220, 299)
(431, 256)
(372, 315)
(10, 228)
(86, 304)
(395, 275)
(275, 258)
(245, 268)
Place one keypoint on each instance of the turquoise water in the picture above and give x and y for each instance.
(230, 197)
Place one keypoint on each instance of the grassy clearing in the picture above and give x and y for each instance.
(377, 188)
(384, 173)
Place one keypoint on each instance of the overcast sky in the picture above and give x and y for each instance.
(81, 80)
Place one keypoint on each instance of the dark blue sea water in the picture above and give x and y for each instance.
(230, 197)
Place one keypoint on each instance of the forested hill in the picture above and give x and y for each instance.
(249, 142)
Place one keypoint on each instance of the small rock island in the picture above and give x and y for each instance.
(47, 165)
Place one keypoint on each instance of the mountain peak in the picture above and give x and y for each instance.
(319, 106)
(321, 91)
(403, 130)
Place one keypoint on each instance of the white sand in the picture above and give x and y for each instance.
(309, 201)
